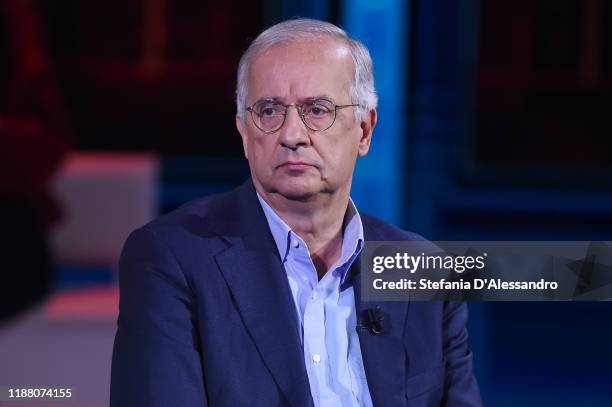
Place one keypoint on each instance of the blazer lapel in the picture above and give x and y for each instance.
(384, 356)
(257, 280)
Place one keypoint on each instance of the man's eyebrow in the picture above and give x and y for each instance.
(318, 97)
(272, 99)
(278, 99)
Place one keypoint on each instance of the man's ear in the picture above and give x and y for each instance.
(243, 134)
(367, 128)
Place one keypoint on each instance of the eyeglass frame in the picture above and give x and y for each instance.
(298, 107)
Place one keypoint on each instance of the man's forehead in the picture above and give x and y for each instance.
(318, 65)
(326, 44)
(304, 49)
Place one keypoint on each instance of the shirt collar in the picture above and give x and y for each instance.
(352, 239)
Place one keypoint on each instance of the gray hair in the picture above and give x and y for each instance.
(361, 87)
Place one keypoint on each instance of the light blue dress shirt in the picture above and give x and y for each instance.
(326, 313)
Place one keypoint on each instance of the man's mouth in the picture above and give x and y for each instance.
(295, 165)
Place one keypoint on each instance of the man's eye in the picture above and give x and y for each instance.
(270, 110)
(316, 110)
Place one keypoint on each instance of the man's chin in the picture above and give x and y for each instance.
(297, 191)
(296, 194)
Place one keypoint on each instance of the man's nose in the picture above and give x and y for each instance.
(294, 133)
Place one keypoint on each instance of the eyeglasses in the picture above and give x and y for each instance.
(318, 114)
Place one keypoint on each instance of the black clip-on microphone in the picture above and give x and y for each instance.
(372, 321)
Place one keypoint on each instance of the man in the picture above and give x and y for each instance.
(252, 298)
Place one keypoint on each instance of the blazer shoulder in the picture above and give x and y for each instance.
(192, 226)
(207, 211)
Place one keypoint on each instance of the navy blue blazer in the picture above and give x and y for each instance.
(207, 318)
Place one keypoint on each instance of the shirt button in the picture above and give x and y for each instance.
(313, 295)
(295, 243)
(316, 358)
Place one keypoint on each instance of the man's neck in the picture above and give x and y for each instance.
(318, 221)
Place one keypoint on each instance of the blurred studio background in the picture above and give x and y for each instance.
(494, 125)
